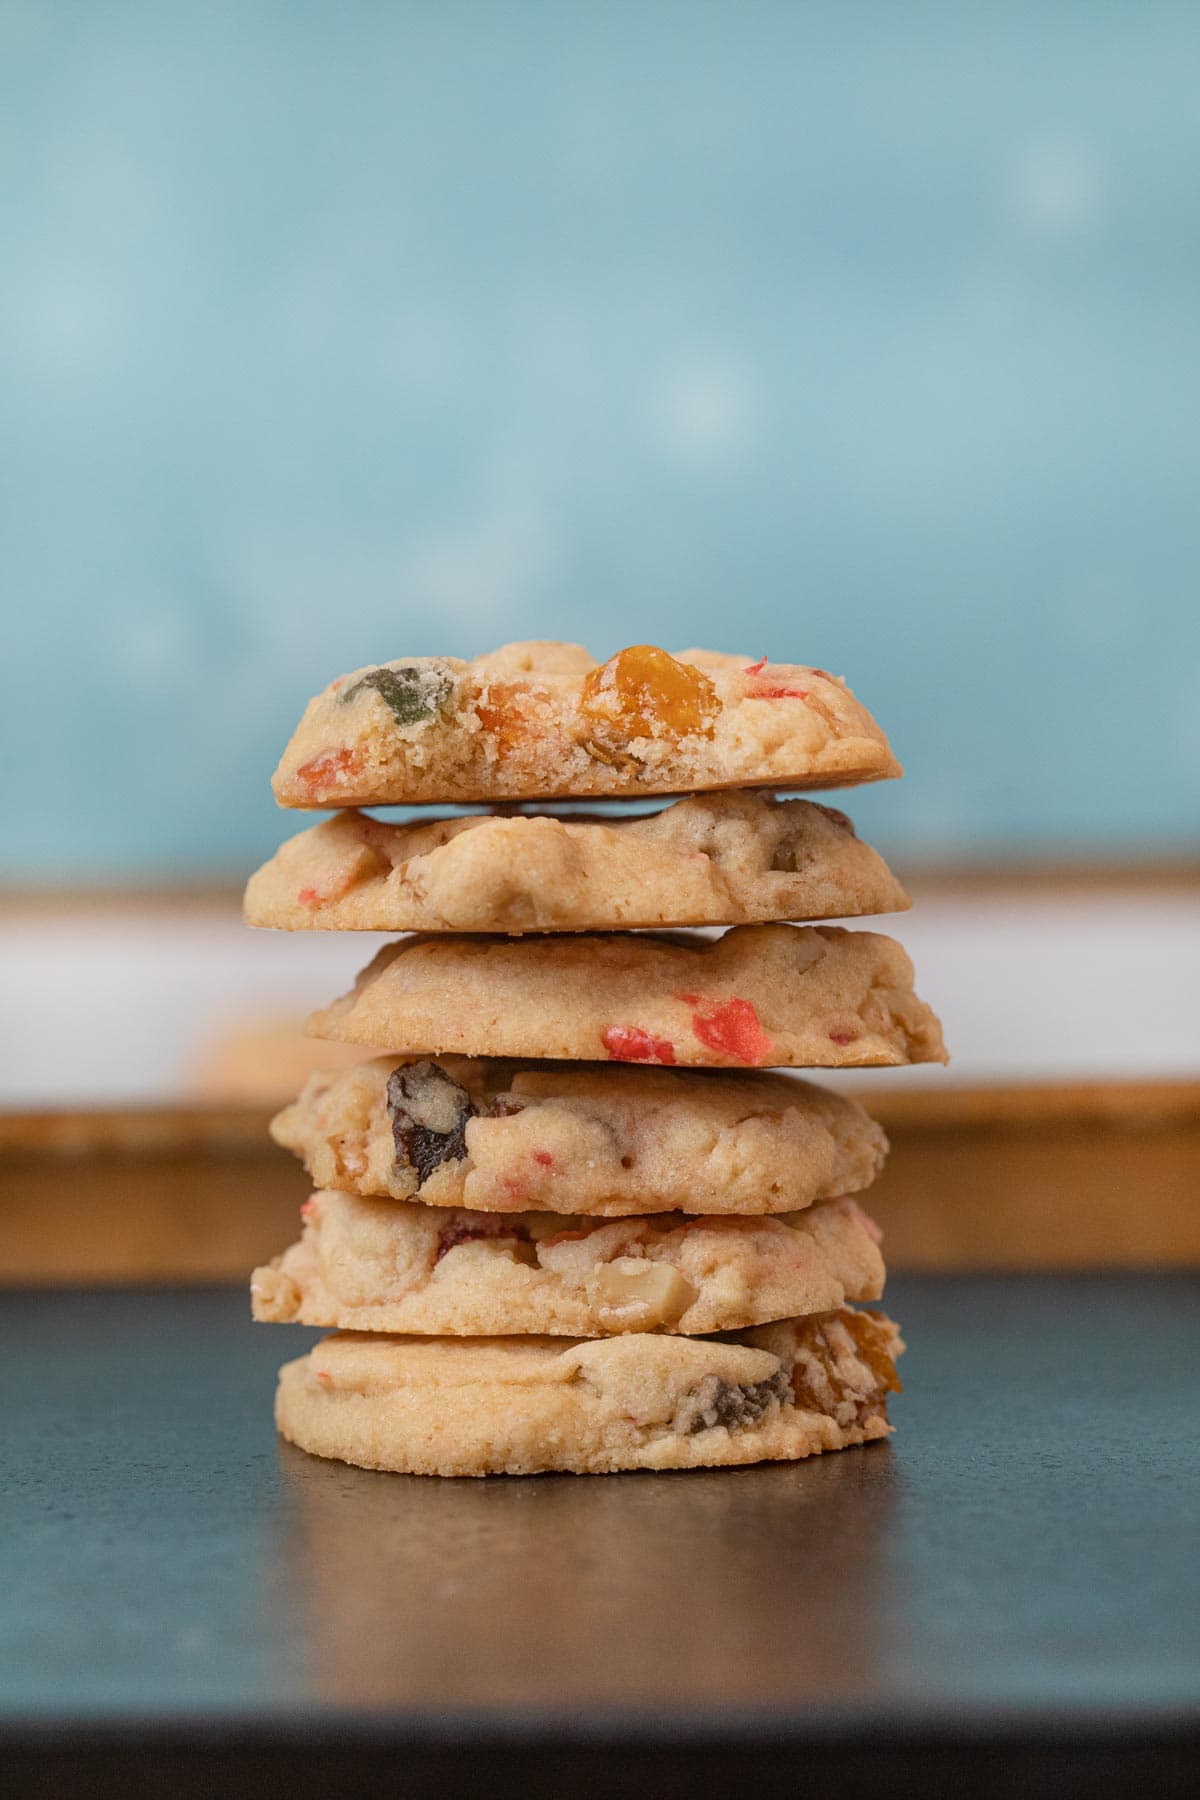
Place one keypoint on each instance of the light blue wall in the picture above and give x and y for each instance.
(867, 335)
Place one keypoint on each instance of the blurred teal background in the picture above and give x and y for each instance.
(866, 335)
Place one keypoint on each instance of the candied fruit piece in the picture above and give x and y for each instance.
(330, 769)
(642, 692)
(730, 1027)
(506, 712)
(413, 695)
(429, 1112)
(762, 685)
(483, 1225)
(629, 1043)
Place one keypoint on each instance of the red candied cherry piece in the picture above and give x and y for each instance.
(308, 896)
(629, 1043)
(730, 1027)
(770, 690)
(331, 767)
(763, 688)
(842, 1037)
(544, 1157)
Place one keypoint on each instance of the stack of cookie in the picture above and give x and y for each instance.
(564, 1218)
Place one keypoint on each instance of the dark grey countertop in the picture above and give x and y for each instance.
(1008, 1593)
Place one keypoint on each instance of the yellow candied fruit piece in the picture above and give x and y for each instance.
(643, 692)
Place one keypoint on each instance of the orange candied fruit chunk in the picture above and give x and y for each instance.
(330, 770)
(646, 693)
(506, 713)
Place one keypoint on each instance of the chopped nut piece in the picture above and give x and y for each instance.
(658, 1291)
(429, 1112)
(824, 1377)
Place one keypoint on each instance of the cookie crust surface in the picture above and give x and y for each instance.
(782, 996)
(525, 1406)
(392, 1266)
(717, 859)
(544, 720)
(604, 1140)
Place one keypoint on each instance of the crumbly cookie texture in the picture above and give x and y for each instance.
(787, 996)
(389, 1265)
(524, 1406)
(534, 721)
(714, 859)
(601, 1141)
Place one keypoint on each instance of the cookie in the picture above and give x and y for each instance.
(523, 1406)
(600, 1140)
(718, 859)
(790, 996)
(389, 1265)
(540, 721)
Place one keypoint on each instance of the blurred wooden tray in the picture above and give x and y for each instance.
(1057, 1176)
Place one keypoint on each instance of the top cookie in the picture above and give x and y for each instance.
(543, 721)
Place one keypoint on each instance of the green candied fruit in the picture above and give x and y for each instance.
(412, 695)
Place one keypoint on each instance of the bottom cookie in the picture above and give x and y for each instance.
(524, 1406)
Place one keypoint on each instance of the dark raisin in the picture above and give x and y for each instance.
(412, 694)
(717, 1402)
(429, 1112)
